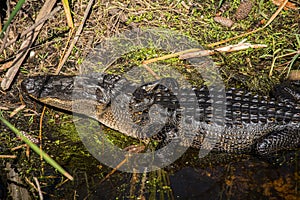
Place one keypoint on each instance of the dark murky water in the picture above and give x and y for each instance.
(247, 178)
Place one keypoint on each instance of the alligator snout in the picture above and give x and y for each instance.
(33, 85)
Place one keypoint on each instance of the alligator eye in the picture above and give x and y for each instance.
(102, 97)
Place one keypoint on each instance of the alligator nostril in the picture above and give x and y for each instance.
(32, 85)
(27, 85)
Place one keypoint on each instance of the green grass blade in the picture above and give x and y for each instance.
(291, 64)
(35, 148)
(220, 3)
(68, 13)
(12, 15)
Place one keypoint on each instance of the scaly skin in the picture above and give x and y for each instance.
(162, 110)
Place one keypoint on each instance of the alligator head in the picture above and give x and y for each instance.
(88, 94)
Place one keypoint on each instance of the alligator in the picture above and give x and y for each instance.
(163, 111)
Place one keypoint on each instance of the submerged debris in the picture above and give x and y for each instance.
(243, 10)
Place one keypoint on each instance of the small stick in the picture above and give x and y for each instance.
(230, 48)
(11, 73)
(8, 156)
(18, 147)
(23, 34)
(4, 108)
(30, 183)
(173, 55)
(77, 34)
(114, 170)
(127, 156)
(6, 65)
(38, 187)
(151, 71)
(40, 130)
(18, 109)
(7, 31)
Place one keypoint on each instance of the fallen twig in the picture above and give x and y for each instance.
(289, 5)
(173, 55)
(8, 156)
(18, 109)
(5, 66)
(130, 149)
(151, 71)
(4, 108)
(41, 128)
(11, 73)
(75, 39)
(230, 48)
(23, 34)
(38, 187)
(8, 27)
